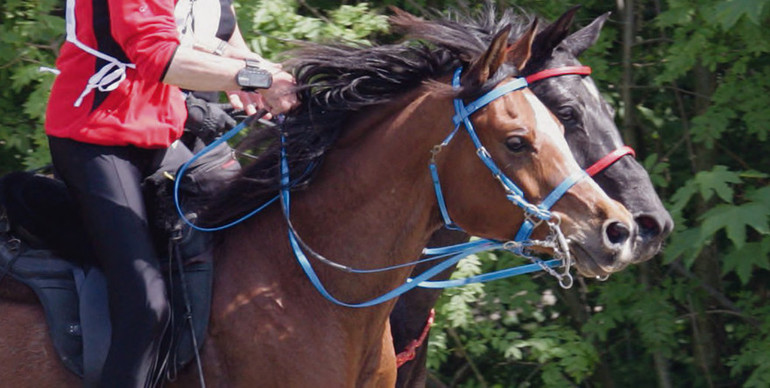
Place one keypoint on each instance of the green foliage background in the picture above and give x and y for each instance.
(692, 96)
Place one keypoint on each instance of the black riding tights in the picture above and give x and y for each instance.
(105, 183)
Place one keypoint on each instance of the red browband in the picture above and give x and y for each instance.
(612, 157)
(566, 70)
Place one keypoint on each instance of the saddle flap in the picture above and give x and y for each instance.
(95, 321)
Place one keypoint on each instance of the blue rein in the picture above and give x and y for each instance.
(455, 252)
(180, 173)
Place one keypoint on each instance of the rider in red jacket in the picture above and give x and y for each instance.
(141, 110)
(114, 113)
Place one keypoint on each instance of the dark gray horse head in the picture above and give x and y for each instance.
(590, 128)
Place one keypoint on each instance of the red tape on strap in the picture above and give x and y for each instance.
(411, 350)
(609, 159)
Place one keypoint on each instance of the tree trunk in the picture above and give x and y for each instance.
(626, 11)
(708, 329)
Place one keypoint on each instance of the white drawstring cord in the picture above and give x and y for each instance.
(106, 79)
(110, 75)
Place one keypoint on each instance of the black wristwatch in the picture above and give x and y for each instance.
(252, 77)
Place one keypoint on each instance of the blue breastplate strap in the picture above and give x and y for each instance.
(299, 254)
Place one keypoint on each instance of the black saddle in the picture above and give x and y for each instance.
(42, 245)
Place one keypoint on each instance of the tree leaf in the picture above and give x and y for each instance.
(744, 259)
(761, 195)
(735, 219)
(687, 243)
(728, 12)
(753, 174)
(683, 195)
(716, 181)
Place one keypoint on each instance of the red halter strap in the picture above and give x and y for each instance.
(609, 159)
(410, 351)
(566, 70)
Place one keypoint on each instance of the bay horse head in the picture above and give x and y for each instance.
(525, 144)
(590, 129)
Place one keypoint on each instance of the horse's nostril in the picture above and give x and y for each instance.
(648, 227)
(651, 226)
(617, 233)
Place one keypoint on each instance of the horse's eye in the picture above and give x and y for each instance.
(566, 114)
(516, 144)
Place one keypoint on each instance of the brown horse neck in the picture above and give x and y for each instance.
(371, 205)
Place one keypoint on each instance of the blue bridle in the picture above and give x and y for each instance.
(457, 252)
(534, 215)
(513, 192)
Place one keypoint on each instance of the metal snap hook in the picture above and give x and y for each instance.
(511, 246)
(554, 220)
(566, 281)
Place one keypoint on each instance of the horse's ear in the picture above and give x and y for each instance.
(521, 50)
(550, 37)
(585, 37)
(489, 62)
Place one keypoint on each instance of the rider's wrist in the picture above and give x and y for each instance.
(253, 77)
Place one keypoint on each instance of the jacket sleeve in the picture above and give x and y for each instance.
(146, 31)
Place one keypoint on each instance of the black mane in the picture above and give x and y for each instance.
(336, 80)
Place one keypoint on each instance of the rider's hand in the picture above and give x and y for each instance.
(206, 120)
(249, 102)
(279, 98)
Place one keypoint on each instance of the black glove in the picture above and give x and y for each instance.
(206, 120)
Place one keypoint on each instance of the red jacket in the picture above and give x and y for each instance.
(141, 111)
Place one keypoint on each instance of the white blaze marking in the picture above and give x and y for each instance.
(546, 125)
